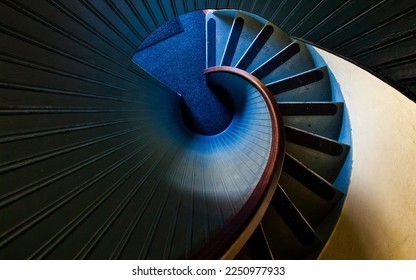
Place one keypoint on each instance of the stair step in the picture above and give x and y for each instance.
(298, 81)
(250, 32)
(295, 58)
(322, 155)
(255, 47)
(293, 218)
(281, 57)
(321, 118)
(275, 43)
(312, 85)
(211, 43)
(232, 42)
(258, 245)
(283, 243)
(223, 22)
(314, 142)
(312, 195)
(310, 109)
(310, 179)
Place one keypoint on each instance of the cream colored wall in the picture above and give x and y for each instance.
(378, 220)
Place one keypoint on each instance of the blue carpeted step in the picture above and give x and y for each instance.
(180, 66)
(169, 29)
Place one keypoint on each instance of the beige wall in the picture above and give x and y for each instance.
(378, 220)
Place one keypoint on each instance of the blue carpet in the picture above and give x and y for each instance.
(169, 29)
(179, 62)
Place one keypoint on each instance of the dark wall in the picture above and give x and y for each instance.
(69, 108)
(378, 35)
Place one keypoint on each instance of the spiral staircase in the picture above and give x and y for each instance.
(242, 44)
(312, 123)
(108, 168)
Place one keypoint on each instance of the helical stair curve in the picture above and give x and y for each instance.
(144, 186)
(313, 121)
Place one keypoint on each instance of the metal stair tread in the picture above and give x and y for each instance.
(320, 118)
(310, 85)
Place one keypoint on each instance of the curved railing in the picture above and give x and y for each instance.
(229, 241)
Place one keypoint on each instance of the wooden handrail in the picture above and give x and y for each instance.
(228, 242)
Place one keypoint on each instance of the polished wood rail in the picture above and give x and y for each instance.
(228, 242)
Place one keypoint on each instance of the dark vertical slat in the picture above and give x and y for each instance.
(369, 35)
(68, 35)
(190, 5)
(258, 6)
(246, 5)
(142, 15)
(388, 50)
(350, 18)
(125, 18)
(286, 11)
(177, 7)
(300, 14)
(357, 25)
(234, 4)
(107, 16)
(154, 9)
(402, 71)
(289, 15)
(168, 9)
(313, 16)
(273, 9)
(211, 4)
